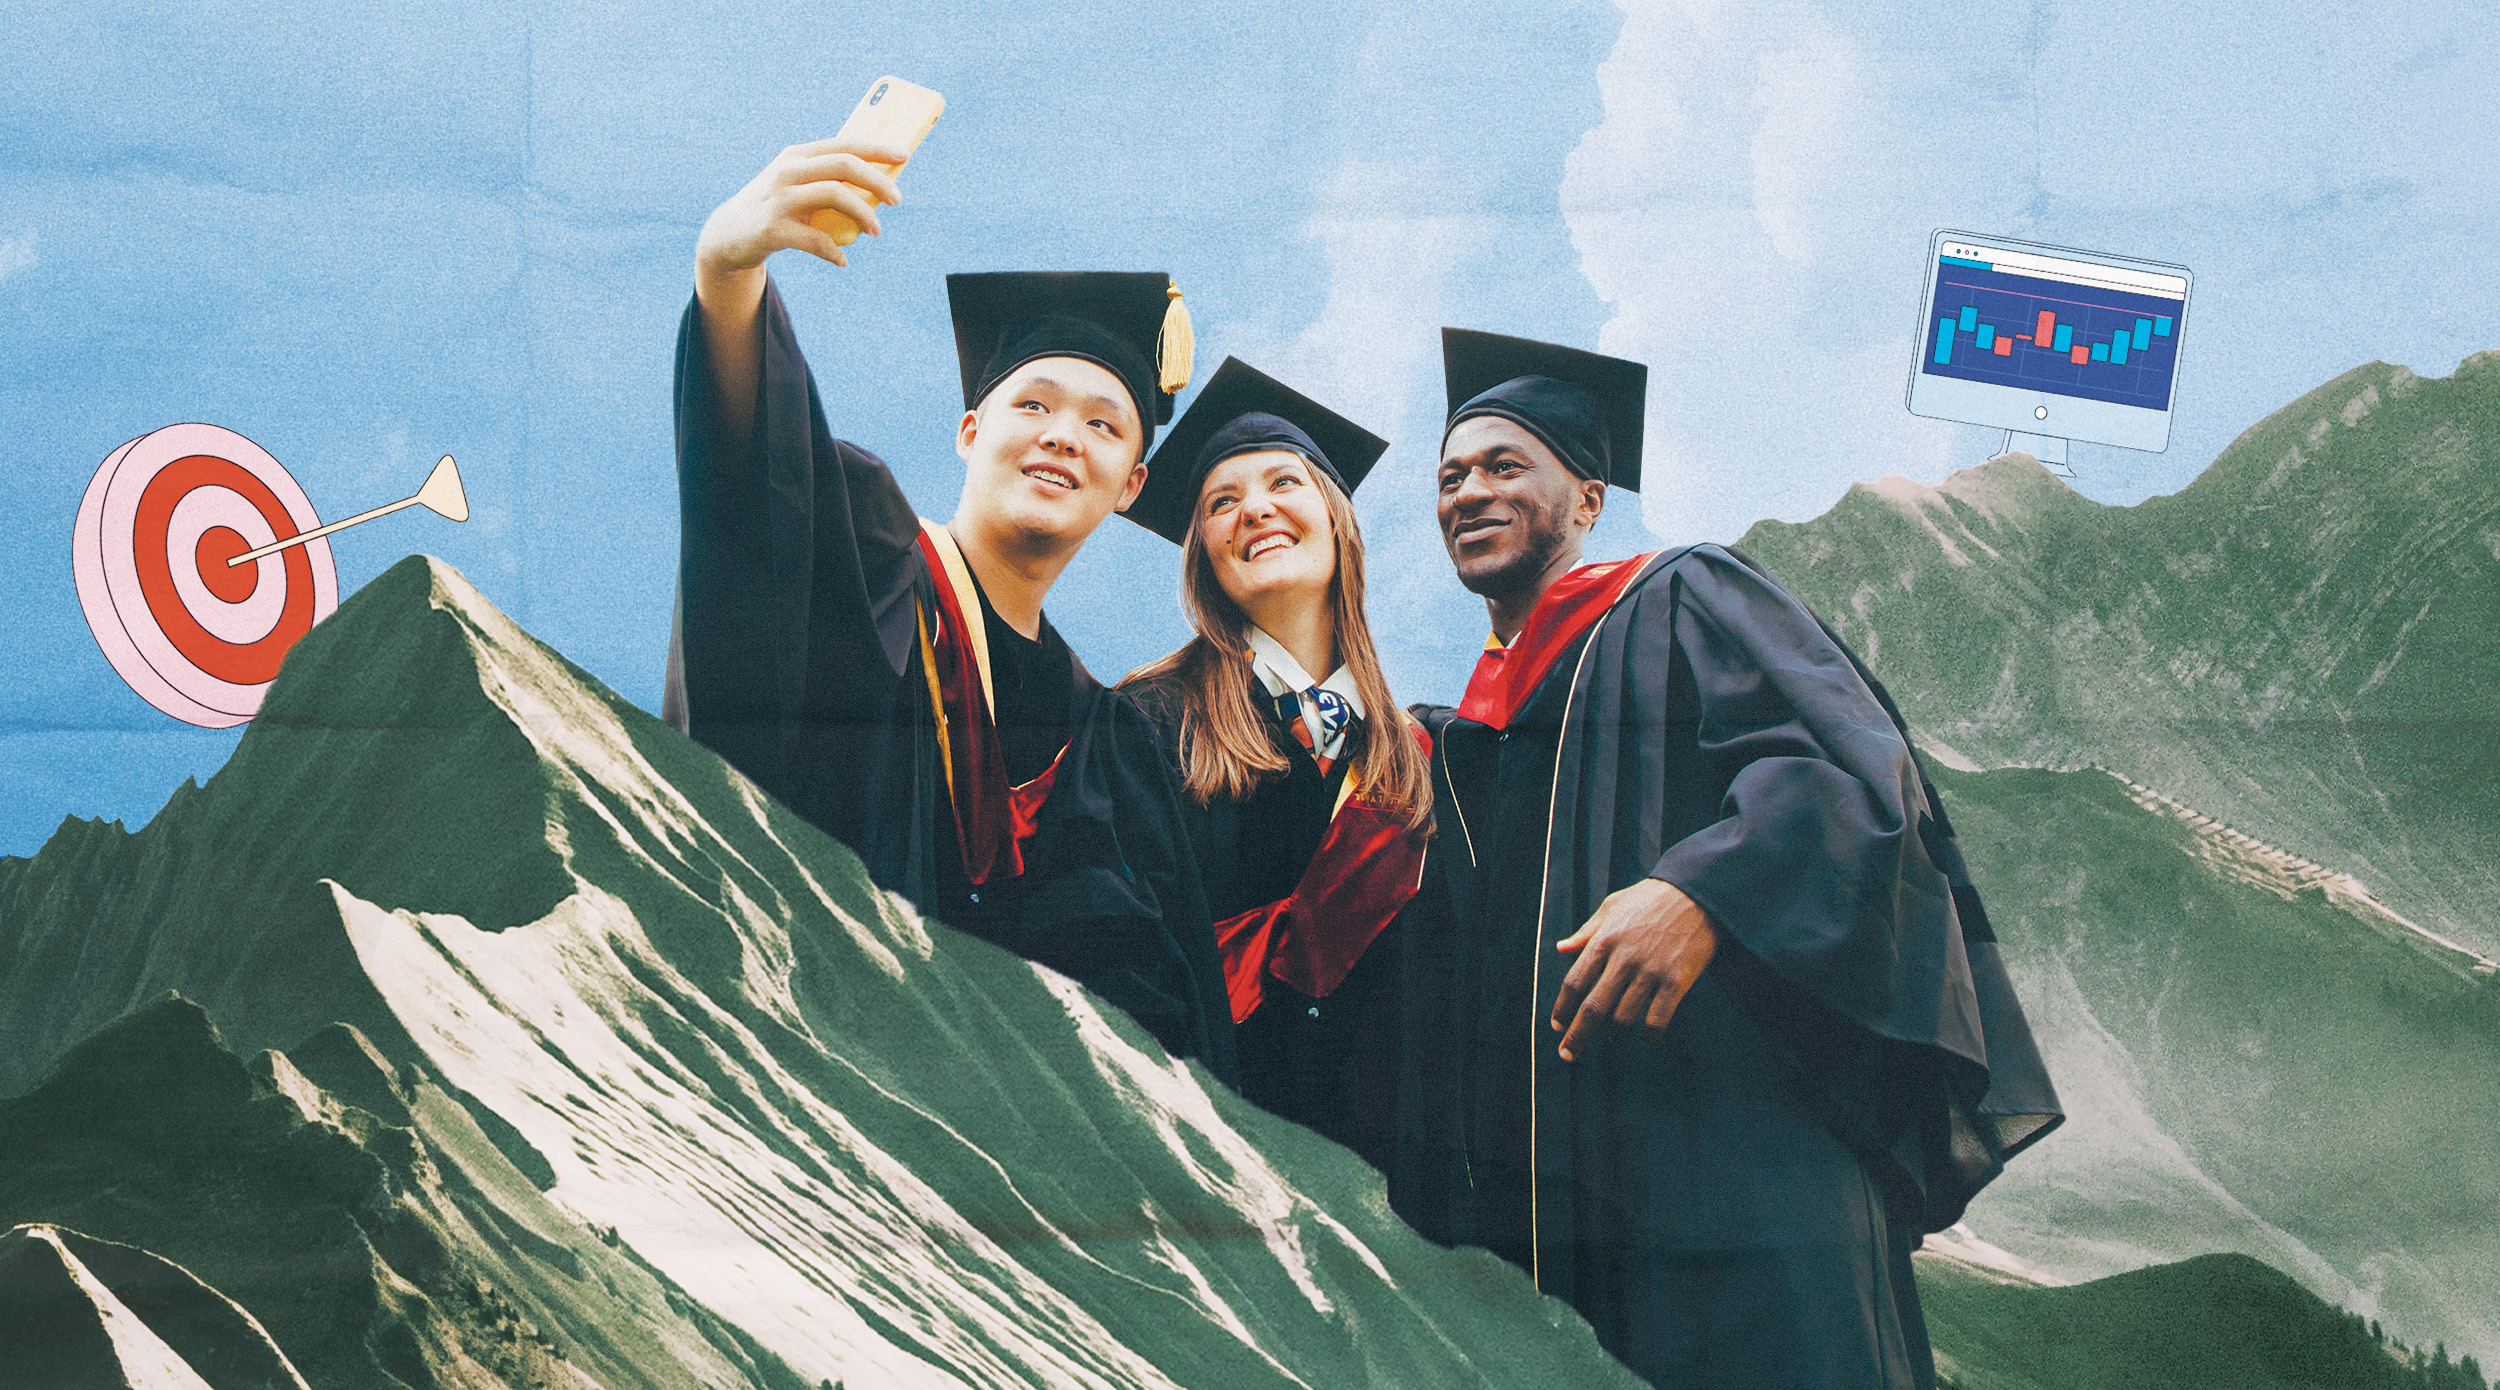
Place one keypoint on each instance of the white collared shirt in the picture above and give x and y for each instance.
(1280, 674)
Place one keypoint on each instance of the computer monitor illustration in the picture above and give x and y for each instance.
(2049, 344)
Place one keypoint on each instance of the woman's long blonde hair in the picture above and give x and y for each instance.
(1224, 745)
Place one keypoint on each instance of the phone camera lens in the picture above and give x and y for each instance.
(877, 95)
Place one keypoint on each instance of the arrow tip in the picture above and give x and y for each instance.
(442, 493)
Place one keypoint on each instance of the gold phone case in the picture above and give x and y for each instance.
(894, 112)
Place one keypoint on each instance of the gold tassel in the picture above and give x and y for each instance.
(1178, 346)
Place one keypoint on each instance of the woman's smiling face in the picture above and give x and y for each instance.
(1265, 523)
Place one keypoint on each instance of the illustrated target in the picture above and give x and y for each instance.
(197, 638)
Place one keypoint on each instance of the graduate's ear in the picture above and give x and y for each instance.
(1592, 502)
(967, 430)
(1129, 490)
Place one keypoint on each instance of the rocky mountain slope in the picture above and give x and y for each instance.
(77, 1311)
(552, 1050)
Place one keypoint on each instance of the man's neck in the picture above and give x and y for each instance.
(1014, 579)
(1509, 611)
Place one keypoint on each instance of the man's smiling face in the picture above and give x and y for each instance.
(1054, 448)
(1508, 508)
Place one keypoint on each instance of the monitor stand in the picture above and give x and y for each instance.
(2049, 450)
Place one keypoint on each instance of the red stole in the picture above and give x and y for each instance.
(992, 819)
(1506, 676)
(1366, 867)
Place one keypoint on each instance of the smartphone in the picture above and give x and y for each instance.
(894, 112)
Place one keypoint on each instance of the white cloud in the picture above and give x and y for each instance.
(1755, 203)
(1390, 260)
(1394, 250)
(16, 253)
(1806, 96)
(1726, 208)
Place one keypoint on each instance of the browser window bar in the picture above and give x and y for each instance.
(2068, 271)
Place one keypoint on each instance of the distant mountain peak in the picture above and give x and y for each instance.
(413, 650)
(2015, 478)
(2008, 491)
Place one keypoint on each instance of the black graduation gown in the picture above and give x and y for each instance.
(1734, 1204)
(1328, 1063)
(803, 594)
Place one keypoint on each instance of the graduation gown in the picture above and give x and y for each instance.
(835, 649)
(1733, 1204)
(1325, 1054)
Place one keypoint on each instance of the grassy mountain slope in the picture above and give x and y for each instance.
(2254, 1058)
(2216, 1322)
(2300, 643)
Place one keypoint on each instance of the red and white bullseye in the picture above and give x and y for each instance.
(200, 563)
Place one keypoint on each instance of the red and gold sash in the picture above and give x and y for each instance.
(992, 819)
(1366, 867)
(1506, 676)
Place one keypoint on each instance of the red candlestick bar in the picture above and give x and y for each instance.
(2005, 347)
(2047, 328)
(2079, 354)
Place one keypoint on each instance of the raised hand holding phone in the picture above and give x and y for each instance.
(806, 199)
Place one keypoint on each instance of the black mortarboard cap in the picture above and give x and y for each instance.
(1133, 325)
(1241, 410)
(1587, 408)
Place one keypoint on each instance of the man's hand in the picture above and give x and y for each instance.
(1638, 955)
(771, 212)
(768, 215)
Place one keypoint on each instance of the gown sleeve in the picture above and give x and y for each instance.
(1810, 857)
(1120, 904)
(1831, 863)
(796, 569)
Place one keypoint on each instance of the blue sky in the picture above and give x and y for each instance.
(365, 235)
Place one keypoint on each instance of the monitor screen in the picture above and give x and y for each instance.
(2049, 341)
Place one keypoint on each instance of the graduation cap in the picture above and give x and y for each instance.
(1242, 410)
(1585, 407)
(1132, 325)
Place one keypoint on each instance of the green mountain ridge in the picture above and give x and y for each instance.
(2299, 643)
(77, 1311)
(614, 1068)
(2259, 951)
(2216, 1322)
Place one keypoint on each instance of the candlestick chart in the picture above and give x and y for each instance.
(2031, 332)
